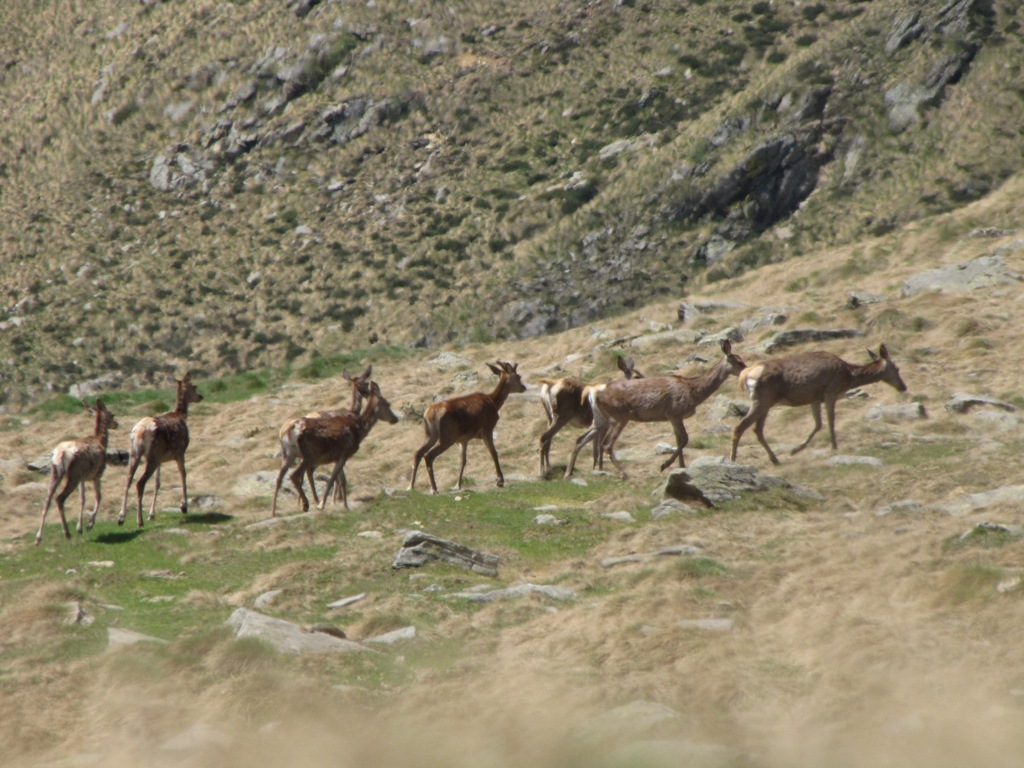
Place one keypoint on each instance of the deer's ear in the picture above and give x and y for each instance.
(495, 370)
(883, 352)
(726, 346)
(100, 404)
(365, 375)
(873, 356)
(346, 376)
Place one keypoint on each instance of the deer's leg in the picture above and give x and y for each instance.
(464, 446)
(180, 460)
(54, 482)
(312, 486)
(140, 487)
(759, 431)
(488, 439)
(156, 491)
(546, 440)
(428, 460)
(339, 483)
(66, 491)
(816, 411)
(830, 412)
(582, 440)
(614, 430)
(133, 465)
(95, 509)
(742, 427)
(286, 464)
(681, 440)
(296, 477)
(81, 508)
(333, 483)
(421, 454)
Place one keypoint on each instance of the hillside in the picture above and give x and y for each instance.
(240, 185)
(871, 623)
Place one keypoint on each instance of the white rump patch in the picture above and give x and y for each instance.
(749, 378)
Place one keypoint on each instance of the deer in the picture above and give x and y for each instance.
(465, 418)
(670, 398)
(159, 439)
(808, 378)
(565, 403)
(357, 404)
(78, 461)
(330, 437)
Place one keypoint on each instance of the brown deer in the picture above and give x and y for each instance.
(670, 398)
(565, 402)
(808, 378)
(358, 387)
(465, 418)
(331, 437)
(78, 461)
(159, 439)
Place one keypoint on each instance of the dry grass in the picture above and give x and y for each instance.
(859, 640)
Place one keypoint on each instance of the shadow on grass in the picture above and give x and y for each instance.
(119, 537)
(207, 518)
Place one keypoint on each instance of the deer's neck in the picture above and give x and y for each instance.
(367, 418)
(707, 384)
(865, 374)
(181, 405)
(500, 393)
(102, 434)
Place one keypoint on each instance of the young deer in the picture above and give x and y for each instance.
(159, 439)
(808, 378)
(465, 418)
(670, 398)
(359, 384)
(565, 402)
(331, 437)
(79, 461)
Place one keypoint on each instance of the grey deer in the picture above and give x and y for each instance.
(566, 403)
(670, 398)
(79, 461)
(808, 378)
(157, 440)
(332, 437)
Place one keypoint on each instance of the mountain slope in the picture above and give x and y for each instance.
(229, 186)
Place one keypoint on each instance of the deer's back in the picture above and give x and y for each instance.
(162, 437)
(328, 438)
(86, 459)
(797, 379)
(651, 399)
(566, 397)
(462, 417)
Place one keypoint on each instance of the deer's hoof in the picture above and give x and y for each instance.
(120, 521)
(500, 483)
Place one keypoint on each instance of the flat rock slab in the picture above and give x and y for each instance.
(117, 637)
(854, 461)
(420, 548)
(897, 413)
(286, 636)
(561, 594)
(983, 272)
(714, 483)
(795, 336)
(1007, 494)
(630, 721)
(667, 753)
(390, 638)
(962, 403)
